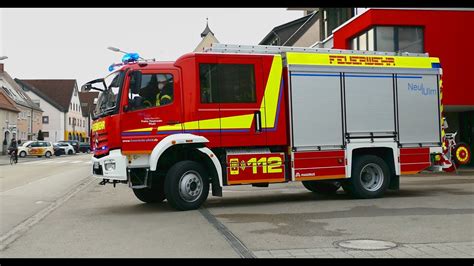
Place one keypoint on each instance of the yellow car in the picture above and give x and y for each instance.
(36, 148)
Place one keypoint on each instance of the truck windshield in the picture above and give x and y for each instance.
(108, 99)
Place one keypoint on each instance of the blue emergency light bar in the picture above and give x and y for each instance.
(130, 57)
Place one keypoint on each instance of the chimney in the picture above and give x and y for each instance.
(1, 68)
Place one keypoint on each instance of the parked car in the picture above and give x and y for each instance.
(68, 148)
(58, 151)
(36, 148)
(85, 147)
(74, 143)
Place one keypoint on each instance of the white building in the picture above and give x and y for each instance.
(62, 117)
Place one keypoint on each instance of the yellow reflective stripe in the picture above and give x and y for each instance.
(269, 104)
(360, 60)
(147, 129)
(240, 122)
(98, 126)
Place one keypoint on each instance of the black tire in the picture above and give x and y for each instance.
(322, 187)
(22, 154)
(47, 154)
(188, 170)
(356, 187)
(70, 152)
(155, 194)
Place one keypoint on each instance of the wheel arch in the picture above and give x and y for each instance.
(180, 147)
(388, 152)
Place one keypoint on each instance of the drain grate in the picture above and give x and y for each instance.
(366, 244)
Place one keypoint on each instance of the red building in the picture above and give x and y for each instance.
(444, 33)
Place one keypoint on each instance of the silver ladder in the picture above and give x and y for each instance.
(268, 49)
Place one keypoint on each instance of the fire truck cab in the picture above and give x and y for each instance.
(235, 115)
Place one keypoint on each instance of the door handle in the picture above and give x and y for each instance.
(172, 122)
(258, 122)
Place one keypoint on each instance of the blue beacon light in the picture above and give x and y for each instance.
(130, 57)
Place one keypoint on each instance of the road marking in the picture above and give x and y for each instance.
(12, 235)
(234, 241)
(76, 162)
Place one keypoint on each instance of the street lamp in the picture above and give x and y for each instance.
(3, 57)
(120, 51)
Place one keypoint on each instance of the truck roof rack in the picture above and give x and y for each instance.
(269, 49)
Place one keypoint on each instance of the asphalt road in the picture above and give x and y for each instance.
(432, 215)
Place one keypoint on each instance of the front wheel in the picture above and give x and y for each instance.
(322, 187)
(22, 154)
(47, 154)
(370, 177)
(186, 185)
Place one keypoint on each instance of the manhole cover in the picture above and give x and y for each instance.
(366, 244)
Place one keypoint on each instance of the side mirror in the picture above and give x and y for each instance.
(86, 87)
(135, 81)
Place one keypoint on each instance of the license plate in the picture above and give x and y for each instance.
(96, 165)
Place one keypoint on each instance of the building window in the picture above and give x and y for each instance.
(333, 18)
(227, 83)
(69, 121)
(46, 134)
(385, 39)
(45, 119)
(410, 39)
(390, 39)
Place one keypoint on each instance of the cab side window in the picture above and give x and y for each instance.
(155, 90)
(227, 83)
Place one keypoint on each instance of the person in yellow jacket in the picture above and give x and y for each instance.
(161, 90)
(165, 93)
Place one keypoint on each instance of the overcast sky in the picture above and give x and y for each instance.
(71, 43)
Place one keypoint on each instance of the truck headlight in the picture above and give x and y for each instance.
(109, 165)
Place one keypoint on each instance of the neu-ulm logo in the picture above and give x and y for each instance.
(421, 89)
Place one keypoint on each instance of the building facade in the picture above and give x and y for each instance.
(28, 121)
(8, 118)
(443, 33)
(62, 118)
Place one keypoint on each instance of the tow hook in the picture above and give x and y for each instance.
(114, 182)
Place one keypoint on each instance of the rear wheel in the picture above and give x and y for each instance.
(322, 187)
(47, 154)
(22, 154)
(370, 177)
(186, 185)
(70, 152)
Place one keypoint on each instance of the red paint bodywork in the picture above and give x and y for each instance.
(414, 160)
(187, 107)
(324, 165)
(447, 35)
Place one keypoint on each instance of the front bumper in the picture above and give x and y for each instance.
(112, 166)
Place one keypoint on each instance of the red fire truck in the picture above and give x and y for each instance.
(257, 115)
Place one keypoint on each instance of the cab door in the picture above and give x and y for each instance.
(144, 122)
(232, 87)
(241, 101)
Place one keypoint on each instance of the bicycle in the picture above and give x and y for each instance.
(13, 157)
